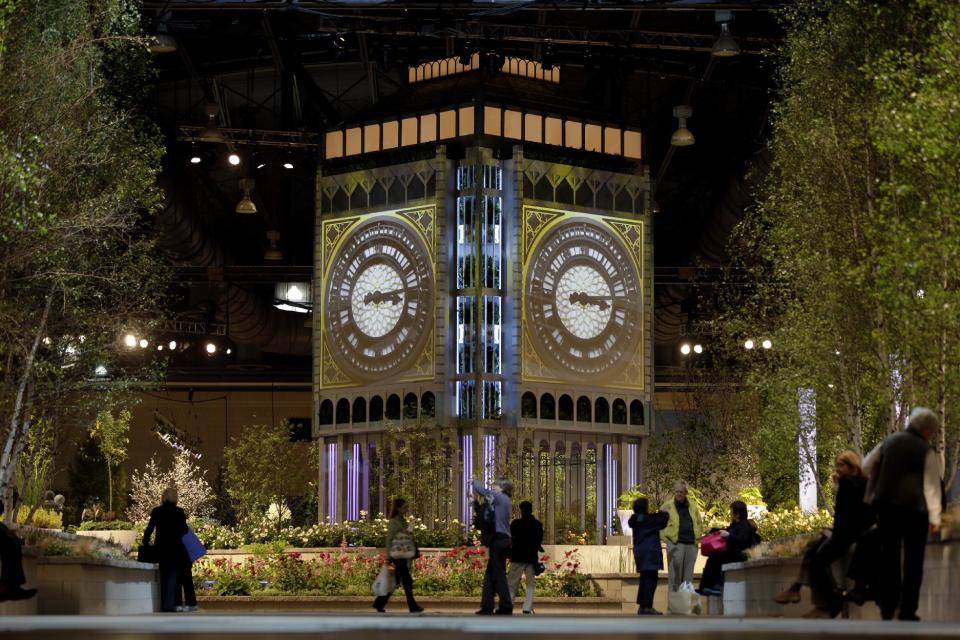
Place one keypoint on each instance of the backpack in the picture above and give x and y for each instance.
(484, 519)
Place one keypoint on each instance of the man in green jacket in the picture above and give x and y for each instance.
(681, 534)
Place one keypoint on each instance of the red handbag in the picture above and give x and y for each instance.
(712, 543)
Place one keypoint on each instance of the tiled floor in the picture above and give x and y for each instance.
(429, 627)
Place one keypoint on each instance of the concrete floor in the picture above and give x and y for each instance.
(436, 627)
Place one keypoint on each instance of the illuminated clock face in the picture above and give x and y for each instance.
(583, 299)
(379, 300)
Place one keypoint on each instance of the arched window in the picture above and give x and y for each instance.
(528, 406)
(343, 411)
(326, 413)
(393, 407)
(584, 409)
(565, 407)
(548, 407)
(376, 409)
(359, 410)
(619, 411)
(410, 406)
(602, 411)
(428, 405)
(636, 413)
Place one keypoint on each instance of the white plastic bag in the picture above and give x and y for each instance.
(684, 601)
(384, 583)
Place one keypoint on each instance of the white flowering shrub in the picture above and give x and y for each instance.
(195, 496)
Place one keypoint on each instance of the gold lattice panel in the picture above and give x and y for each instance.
(553, 233)
(334, 234)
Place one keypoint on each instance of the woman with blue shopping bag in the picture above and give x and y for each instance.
(172, 554)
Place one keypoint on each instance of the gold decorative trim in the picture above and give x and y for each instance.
(423, 220)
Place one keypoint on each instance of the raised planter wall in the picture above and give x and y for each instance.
(750, 586)
(122, 537)
(96, 586)
(24, 607)
(433, 604)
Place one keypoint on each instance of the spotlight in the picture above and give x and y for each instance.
(698, 348)
(261, 165)
(494, 62)
(294, 293)
(288, 165)
(144, 343)
(211, 348)
(233, 159)
(748, 345)
(466, 55)
(172, 345)
(229, 351)
(339, 44)
(682, 136)
(766, 344)
(685, 349)
(159, 347)
(162, 42)
(195, 159)
(130, 340)
(100, 371)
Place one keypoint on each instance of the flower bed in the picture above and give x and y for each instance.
(454, 572)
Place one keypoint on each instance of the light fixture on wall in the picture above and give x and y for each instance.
(682, 136)
(246, 205)
(725, 46)
(211, 132)
(293, 296)
(274, 252)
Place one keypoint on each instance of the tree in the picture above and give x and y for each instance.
(264, 467)
(850, 254)
(78, 162)
(194, 494)
(111, 435)
(416, 457)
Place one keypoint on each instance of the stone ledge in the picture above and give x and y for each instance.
(115, 563)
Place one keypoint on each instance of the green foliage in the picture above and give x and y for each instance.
(42, 518)
(88, 480)
(417, 466)
(848, 262)
(265, 549)
(251, 460)
(33, 467)
(784, 523)
(106, 525)
(454, 572)
(78, 193)
(111, 434)
(625, 500)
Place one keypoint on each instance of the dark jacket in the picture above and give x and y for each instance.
(527, 534)
(646, 539)
(742, 537)
(899, 473)
(851, 516)
(170, 523)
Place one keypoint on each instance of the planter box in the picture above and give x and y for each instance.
(122, 537)
(397, 604)
(750, 586)
(96, 586)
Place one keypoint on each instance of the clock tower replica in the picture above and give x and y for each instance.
(484, 279)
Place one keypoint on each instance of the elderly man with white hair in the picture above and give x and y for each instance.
(905, 489)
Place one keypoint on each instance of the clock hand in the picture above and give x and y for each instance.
(583, 298)
(394, 297)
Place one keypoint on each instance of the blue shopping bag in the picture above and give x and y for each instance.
(195, 548)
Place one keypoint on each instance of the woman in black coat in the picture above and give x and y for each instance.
(740, 536)
(170, 523)
(647, 553)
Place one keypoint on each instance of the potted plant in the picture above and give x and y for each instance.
(625, 507)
